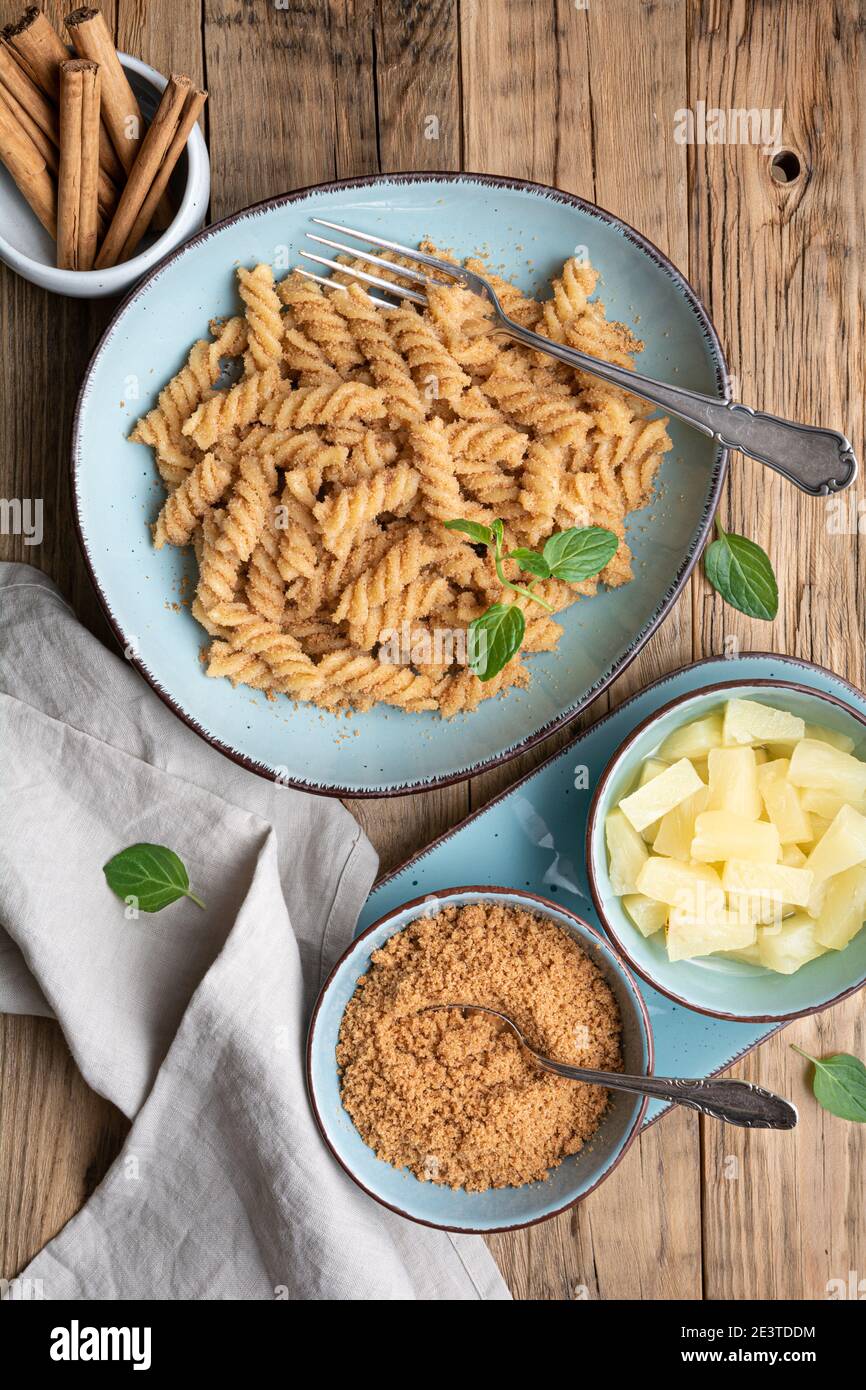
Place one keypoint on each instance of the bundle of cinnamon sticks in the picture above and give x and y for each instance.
(74, 140)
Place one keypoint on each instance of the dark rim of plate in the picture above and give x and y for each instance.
(717, 476)
(545, 905)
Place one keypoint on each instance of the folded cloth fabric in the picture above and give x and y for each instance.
(191, 1021)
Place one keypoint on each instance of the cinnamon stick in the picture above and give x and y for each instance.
(35, 113)
(37, 48)
(40, 52)
(47, 148)
(121, 112)
(149, 160)
(189, 115)
(28, 168)
(79, 164)
(25, 91)
(120, 109)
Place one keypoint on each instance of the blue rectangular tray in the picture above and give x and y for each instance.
(532, 836)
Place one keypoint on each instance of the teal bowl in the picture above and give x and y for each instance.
(453, 1209)
(726, 989)
(527, 231)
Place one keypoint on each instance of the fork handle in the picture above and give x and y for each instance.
(737, 1102)
(818, 461)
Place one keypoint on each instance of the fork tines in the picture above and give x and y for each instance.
(396, 290)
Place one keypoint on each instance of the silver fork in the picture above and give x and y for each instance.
(737, 1102)
(818, 461)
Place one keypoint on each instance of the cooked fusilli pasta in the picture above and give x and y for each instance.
(314, 486)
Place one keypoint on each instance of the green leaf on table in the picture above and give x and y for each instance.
(741, 572)
(580, 552)
(494, 638)
(839, 1084)
(481, 535)
(152, 875)
(531, 561)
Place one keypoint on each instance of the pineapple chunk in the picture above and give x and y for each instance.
(844, 909)
(793, 856)
(673, 882)
(749, 722)
(652, 801)
(692, 934)
(815, 905)
(650, 768)
(827, 804)
(734, 782)
(773, 882)
(676, 829)
(627, 852)
(759, 910)
(831, 736)
(843, 846)
(817, 765)
(792, 947)
(722, 835)
(783, 803)
(648, 914)
(783, 748)
(694, 740)
(750, 954)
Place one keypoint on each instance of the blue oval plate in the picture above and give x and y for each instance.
(528, 230)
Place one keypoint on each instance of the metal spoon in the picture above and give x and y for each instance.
(736, 1102)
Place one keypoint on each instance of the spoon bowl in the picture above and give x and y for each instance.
(736, 1102)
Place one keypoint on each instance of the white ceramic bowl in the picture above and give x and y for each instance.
(29, 250)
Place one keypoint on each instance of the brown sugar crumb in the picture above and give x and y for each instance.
(454, 1097)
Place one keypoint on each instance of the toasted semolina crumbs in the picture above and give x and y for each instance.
(454, 1097)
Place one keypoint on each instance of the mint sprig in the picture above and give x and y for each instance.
(573, 555)
(741, 572)
(152, 875)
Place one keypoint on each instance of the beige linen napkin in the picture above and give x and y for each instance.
(192, 1022)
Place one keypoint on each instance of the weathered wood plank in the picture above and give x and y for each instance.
(782, 267)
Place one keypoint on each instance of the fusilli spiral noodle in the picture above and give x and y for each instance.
(200, 489)
(263, 315)
(342, 515)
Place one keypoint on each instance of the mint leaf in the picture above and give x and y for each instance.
(494, 638)
(531, 561)
(152, 874)
(498, 530)
(741, 572)
(580, 552)
(839, 1084)
(481, 535)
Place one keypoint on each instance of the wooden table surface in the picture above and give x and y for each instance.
(582, 95)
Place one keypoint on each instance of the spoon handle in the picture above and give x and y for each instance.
(737, 1102)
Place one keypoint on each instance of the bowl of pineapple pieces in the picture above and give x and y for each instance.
(726, 850)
